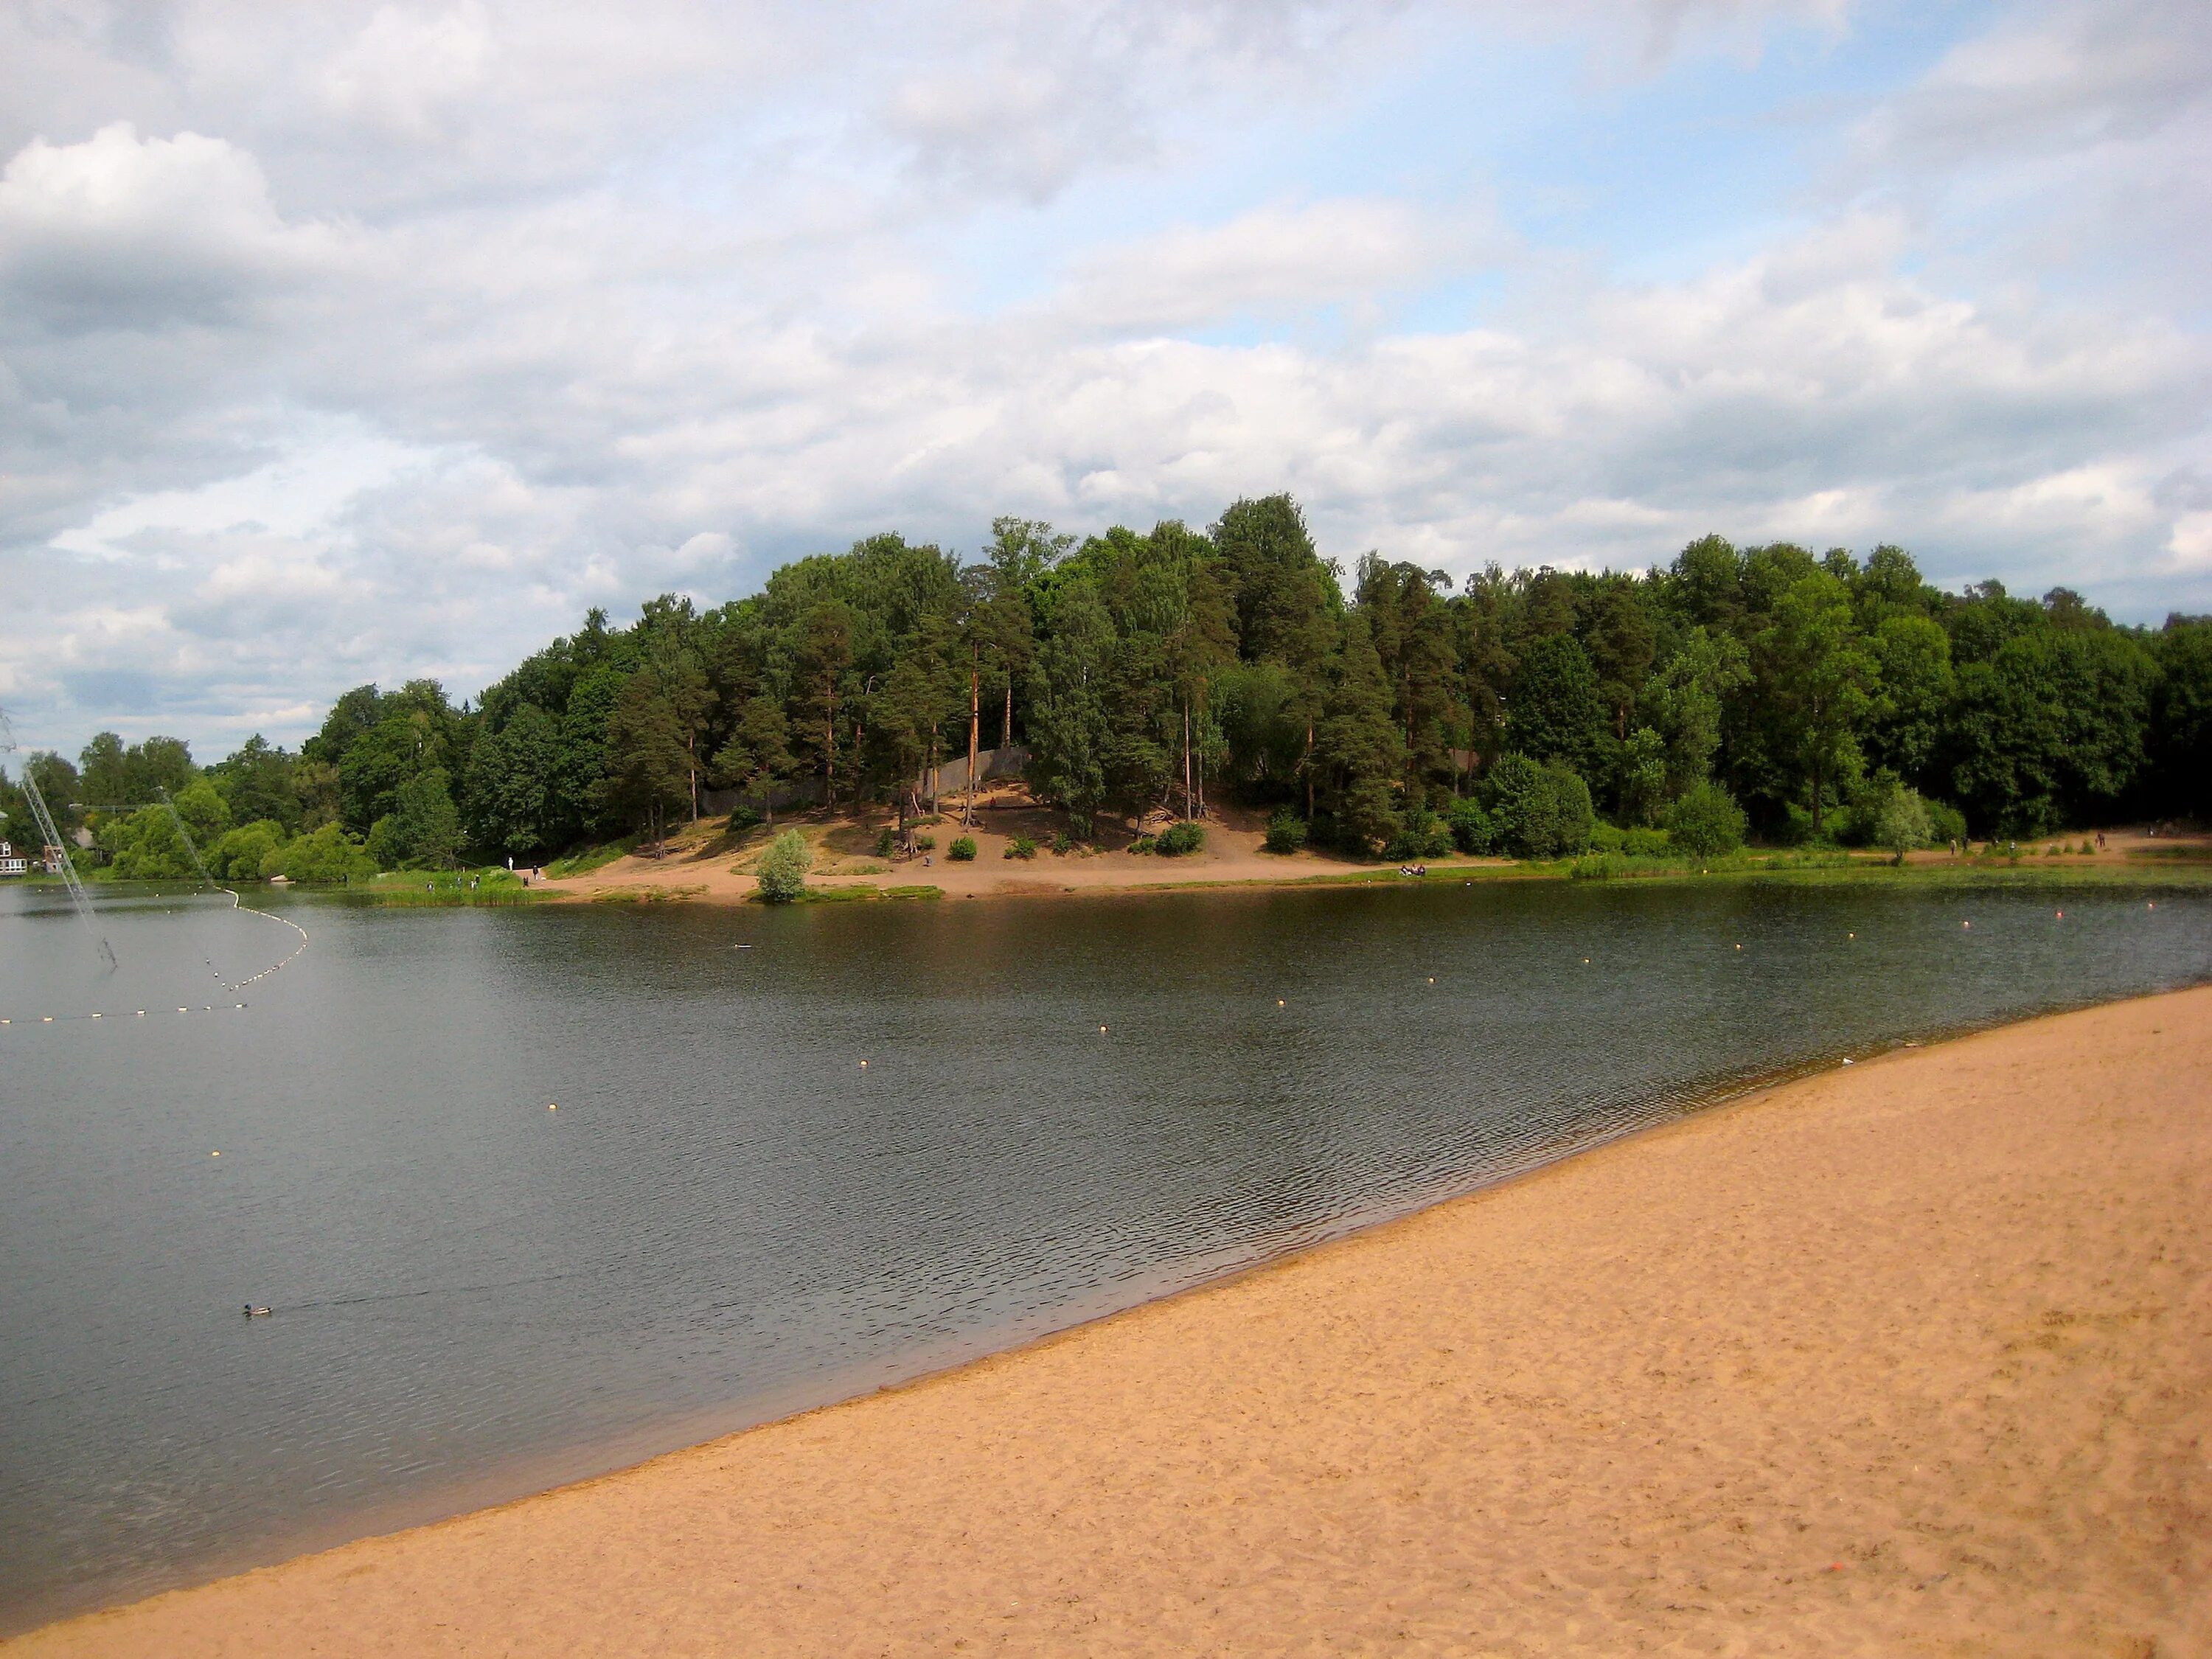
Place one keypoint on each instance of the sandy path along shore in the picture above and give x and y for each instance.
(1906, 1358)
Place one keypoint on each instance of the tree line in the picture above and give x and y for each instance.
(1801, 695)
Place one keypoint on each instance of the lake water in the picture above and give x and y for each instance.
(730, 1216)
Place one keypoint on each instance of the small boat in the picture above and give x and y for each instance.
(253, 1312)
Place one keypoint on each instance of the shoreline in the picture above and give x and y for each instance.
(581, 1504)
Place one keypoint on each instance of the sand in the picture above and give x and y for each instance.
(703, 864)
(1907, 1358)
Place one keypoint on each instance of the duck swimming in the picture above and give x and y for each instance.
(253, 1312)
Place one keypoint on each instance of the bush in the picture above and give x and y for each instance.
(1472, 830)
(1597, 866)
(1063, 843)
(1144, 844)
(239, 855)
(1541, 812)
(743, 820)
(1707, 822)
(962, 851)
(1181, 838)
(1021, 846)
(1286, 832)
(925, 843)
(1946, 823)
(886, 843)
(782, 869)
(328, 854)
(1605, 838)
(1646, 844)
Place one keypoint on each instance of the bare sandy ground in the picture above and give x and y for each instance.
(704, 865)
(1909, 1359)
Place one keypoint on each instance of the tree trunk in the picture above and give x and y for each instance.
(1186, 763)
(1306, 766)
(1006, 728)
(692, 756)
(974, 738)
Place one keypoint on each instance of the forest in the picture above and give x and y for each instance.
(1798, 698)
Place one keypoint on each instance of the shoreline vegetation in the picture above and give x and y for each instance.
(1167, 692)
(1880, 1359)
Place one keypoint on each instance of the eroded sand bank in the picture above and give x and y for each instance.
(1914, 1358)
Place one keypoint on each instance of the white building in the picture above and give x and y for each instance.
(13, 863)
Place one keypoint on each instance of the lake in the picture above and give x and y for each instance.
(801, 1153)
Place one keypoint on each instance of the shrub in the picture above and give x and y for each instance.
(962, 851)
(1606, 838)
(328, 854)
(925, 843)
(1144, 844)
(1181, 838)
(1541, 812)
(1597, 866)
(742, 820)
(1707, 822)
(1286, 832)
(782, 869)
(886, 843)
(239, 855)
(1063, 843)
(1946, 823)
(1021, 846)
(1646, 844)
(1472, 829)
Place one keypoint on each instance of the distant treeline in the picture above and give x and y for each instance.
(1155, 669)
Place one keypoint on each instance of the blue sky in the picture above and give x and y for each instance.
(365, 341)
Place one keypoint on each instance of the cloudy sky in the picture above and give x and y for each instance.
(347, 341)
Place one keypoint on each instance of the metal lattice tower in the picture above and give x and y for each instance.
(52, 837)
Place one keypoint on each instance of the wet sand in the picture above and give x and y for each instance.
(1911, 1357)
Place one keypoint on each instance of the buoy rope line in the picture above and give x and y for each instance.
(237, 903)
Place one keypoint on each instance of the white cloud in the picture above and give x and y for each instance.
(367, 341)
(121, 232)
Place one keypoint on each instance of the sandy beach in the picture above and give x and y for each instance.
(702, 863)
(1907, 1358)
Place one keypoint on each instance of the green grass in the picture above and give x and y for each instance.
(920, 891)
(591, 859)
(440, 888)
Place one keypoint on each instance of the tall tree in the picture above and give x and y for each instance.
(1821, 677)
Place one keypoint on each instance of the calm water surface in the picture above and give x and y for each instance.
(730, 1216)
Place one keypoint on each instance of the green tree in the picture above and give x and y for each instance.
(822, 660)
(257, 781)
(1684, 699)
(758, 756)
(240, 854)
(1556, 711)
(781, 871)
(1068, 727)
(1902, 823)
(649, 764)
(509, 804)
(1820, 679)
(1360, 749)
(2180, 745)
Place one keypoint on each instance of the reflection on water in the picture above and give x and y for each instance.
(729, 1216)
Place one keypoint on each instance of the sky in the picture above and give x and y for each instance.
(351, 342)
